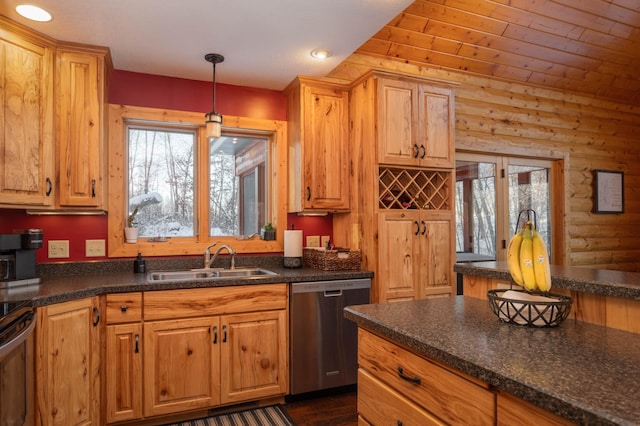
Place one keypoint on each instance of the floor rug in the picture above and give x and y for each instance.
(273, 415)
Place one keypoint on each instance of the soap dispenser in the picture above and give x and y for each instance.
(139, 264)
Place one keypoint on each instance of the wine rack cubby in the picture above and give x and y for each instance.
(402, 188)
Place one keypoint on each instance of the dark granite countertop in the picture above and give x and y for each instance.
(585, 373)
(597, 281)
(64, 282)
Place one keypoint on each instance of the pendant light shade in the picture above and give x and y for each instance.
(214, 120)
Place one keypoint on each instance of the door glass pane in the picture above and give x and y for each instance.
(475, 211)
(529, 193)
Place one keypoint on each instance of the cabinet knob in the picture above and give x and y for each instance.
(123, 309)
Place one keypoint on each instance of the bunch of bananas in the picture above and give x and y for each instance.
(528, 260)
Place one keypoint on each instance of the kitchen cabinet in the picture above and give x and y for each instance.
(415, 126)
(80, 124)
(68, 363)
(214, 346)
(27, 163)
(123, 357)
(402, 209)
(319, 157)
(415, 254)
(396, 386)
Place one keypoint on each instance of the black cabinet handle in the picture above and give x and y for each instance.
(308, 193)
(416, 150)
(96, 314)
(417, 227)
(224, 334)
(123, 308)
(415, 380)
(93, 188)
(137, 349)
(215, 334)
(399, 422)
(424, 227)
(49, 187)
(423, 150)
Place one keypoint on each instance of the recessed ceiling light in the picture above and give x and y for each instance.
(34, 13)
(320, 53)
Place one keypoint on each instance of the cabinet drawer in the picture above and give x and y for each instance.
(512, 410)
(447, 395)
(123, 307)
(378, 404)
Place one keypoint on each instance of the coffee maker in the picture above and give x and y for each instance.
(18, 257)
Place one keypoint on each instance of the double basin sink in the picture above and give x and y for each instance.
(208, 274)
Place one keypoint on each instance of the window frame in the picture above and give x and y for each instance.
(118, 118)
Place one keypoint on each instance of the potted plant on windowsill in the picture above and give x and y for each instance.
(268, 232)
(131, 231)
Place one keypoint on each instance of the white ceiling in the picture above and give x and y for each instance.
(266, 43)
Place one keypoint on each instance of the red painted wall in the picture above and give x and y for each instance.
(147, 90)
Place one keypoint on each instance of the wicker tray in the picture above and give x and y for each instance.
(532, 313)
(340, 259)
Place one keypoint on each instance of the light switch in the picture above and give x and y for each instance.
(313, 241)
(94, 248)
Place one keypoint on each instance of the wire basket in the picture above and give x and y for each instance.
(524, 309)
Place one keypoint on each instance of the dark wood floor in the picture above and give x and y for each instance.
(329, 408)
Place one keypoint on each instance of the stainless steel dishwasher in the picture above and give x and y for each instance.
(324, 345)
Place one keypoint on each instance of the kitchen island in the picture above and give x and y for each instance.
(585, 373)
(602, 297)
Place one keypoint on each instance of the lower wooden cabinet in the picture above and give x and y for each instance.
(400, 384)
(180, 350)
(68, 363)
(512, 410)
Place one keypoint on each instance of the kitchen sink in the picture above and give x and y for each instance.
(208, 274)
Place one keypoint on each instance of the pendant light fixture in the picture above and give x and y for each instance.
(214, 120)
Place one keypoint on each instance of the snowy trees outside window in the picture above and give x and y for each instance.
(161, 181)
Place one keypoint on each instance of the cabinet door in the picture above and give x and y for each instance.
(398, 255)
(397, 127)
(254, 353)
(436, 254)
(79, 128)
(26, 123)
(68, 363)
(181, 365)
(325, 147)
(124, 372)
(436, 134)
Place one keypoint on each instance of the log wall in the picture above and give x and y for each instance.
(497, 116)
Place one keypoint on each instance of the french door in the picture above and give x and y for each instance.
(495, 195)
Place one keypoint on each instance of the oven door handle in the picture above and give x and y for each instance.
(9, 346)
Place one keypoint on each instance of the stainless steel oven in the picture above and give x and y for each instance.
(17, 323)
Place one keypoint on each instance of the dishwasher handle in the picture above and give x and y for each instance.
(333, 293)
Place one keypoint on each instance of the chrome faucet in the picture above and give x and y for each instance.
(215, 255)
(207, 255)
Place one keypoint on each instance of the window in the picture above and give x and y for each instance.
(160, 184)
(190, 191)
(488, 207)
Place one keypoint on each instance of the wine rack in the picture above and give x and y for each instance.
(403, 188)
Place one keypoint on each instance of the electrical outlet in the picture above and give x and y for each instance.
(94, 248)
(324, 240)
(58, 249)
(313, 241)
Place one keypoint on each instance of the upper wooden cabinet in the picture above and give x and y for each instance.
(27, 162)
(415, 123)
(80, 125)
(319, 158)
(51, 160)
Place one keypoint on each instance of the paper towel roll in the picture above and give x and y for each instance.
(293, 243)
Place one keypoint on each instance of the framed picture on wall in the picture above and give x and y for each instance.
(608, 191)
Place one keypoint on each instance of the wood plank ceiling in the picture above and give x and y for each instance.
(584, 46)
